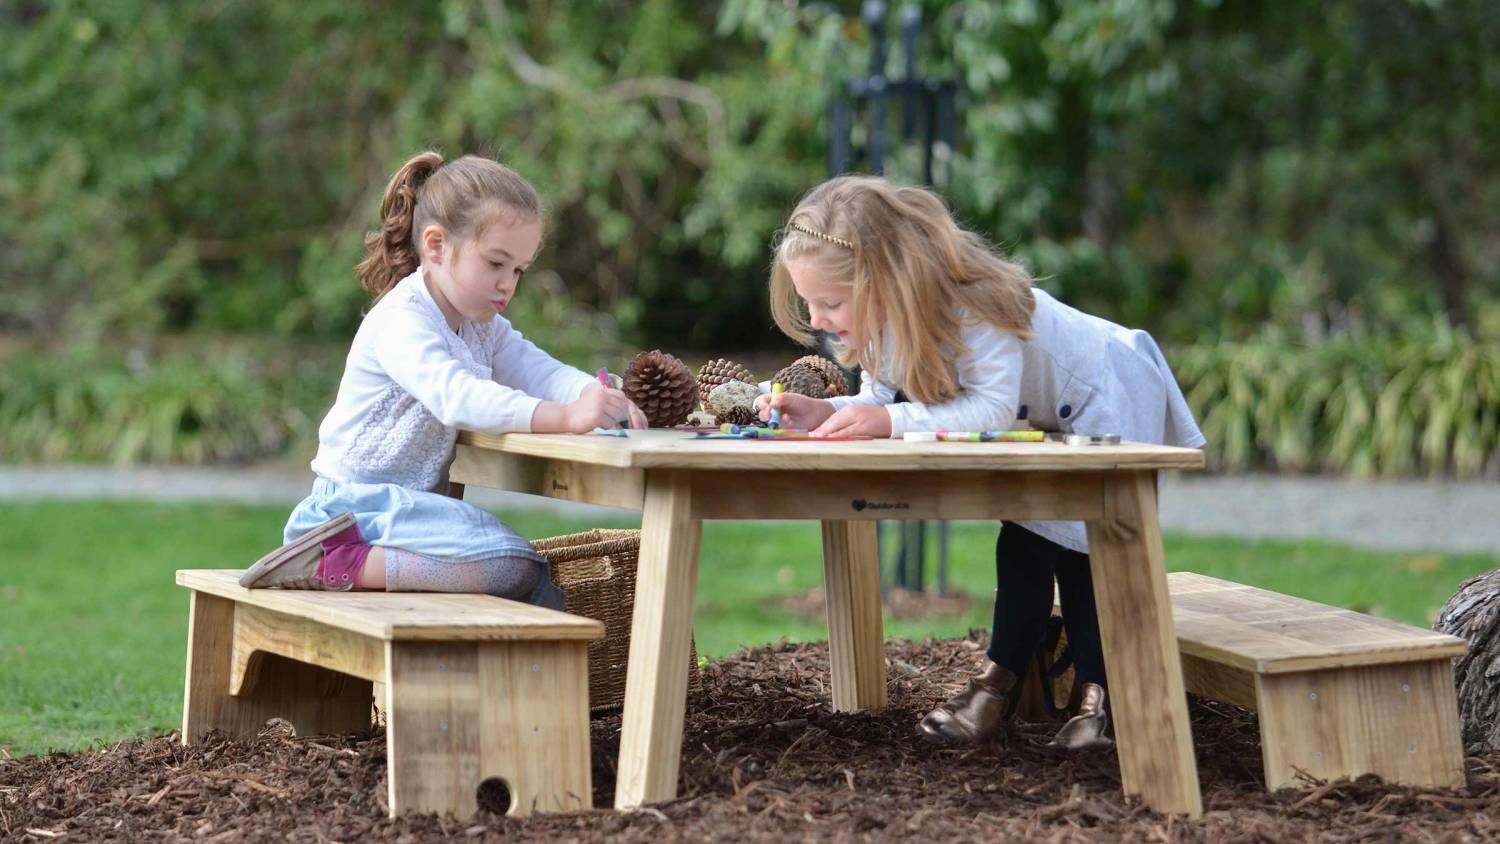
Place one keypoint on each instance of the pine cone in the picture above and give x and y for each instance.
(662, 387)
(739, 415)
(719, 371)
(833, 377)
(802, 379)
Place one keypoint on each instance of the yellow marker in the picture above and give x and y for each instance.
(776, 390)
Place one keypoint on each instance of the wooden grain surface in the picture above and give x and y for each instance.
(403, 616)
(1270, 633)
(667, 449)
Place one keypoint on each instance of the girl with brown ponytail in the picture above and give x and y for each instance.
(435, 354)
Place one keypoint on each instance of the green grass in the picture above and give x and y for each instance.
(92, 629)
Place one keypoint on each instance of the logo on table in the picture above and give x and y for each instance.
(860, 505)
(557, 486)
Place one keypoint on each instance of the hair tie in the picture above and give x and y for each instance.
(837, 241)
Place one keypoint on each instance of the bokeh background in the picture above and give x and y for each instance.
(1298, 200)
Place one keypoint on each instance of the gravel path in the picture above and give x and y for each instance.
(1414, 515)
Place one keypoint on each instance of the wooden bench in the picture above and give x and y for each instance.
(1338, 693)
(475, 687)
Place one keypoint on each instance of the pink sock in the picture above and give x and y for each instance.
(344, 556)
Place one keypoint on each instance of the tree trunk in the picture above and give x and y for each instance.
(1473, 613)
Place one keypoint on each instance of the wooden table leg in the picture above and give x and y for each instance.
(1149, 701)
(856, 637)
(661, 634)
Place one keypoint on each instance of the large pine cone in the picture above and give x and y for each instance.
(662, 387)
(739, 415)
(721, 371)
(803, 379)
(833, 377)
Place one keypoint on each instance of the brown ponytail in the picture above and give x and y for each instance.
(456, 195)
(391, 254)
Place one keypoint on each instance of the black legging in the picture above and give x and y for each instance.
(1025, 565)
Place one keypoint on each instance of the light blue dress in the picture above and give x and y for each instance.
(427, 523)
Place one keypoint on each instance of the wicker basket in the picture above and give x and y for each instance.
(596, 572)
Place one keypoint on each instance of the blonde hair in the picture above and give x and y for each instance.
(912, 272)
(460, 196)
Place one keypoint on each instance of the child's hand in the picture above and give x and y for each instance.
(797, 411)
(638, 419)
(857, 420)
(601, 407)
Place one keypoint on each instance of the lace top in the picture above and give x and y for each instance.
(410, 382)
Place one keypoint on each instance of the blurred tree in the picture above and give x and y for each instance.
(1197, 167)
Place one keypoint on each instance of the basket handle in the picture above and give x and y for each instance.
(604, 548)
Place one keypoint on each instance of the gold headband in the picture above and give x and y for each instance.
(837, 241)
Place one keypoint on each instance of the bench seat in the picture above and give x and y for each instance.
(1338, 693)
(475, 688)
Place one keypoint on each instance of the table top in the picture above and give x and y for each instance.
(670, 449)
(404, 616)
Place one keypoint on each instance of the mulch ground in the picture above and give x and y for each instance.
(764, 759)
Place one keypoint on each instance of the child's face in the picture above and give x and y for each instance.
(477, 278)
(828, 306)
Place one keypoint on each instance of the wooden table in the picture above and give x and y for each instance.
(677, 482)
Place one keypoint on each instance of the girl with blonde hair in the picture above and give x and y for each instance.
(951, 336)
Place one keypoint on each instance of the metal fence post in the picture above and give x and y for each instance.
(927, 111)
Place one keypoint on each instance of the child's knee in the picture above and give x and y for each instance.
(516, 578)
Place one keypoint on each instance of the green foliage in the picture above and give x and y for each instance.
(173, 407)
(1195, 167)
(1426, 405)
(203, 400)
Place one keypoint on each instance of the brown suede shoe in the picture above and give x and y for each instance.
(978, 712)
(1085, 731)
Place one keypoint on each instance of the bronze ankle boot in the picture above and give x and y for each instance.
(1085, 730)
(978, 712)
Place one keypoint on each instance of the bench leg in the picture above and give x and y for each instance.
(1140, 648)
(856, 636)
(460, 714)
(661, 633)
(315, 700)
(1398, 721)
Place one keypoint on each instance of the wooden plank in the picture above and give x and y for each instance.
(316, 701)
(432, 727)
(857, 495)
(534, 724)
(553, 478)
(1216, 681)
(1140, 649)
(660, 638)
(1265, 632)
(259, 631)
(856, 637)
(405, 616)
(1397, 721)
(667, 449)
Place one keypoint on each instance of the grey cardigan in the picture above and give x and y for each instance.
(1078, 374)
